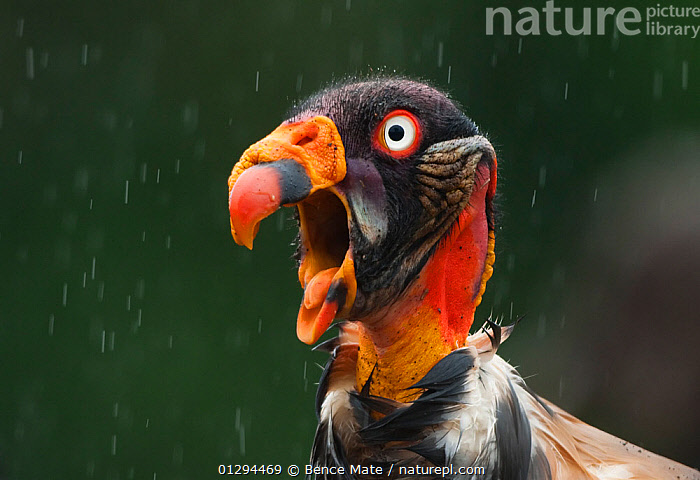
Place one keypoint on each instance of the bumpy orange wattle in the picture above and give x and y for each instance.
(255, 193)
(315, 143)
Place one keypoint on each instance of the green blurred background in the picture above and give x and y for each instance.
(137, 341)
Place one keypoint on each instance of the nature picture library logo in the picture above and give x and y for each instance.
(659, 20)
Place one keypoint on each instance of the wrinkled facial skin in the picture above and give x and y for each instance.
(382, 192)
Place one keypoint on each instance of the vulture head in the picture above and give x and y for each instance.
(393, 186)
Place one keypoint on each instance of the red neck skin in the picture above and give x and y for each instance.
(434, 316)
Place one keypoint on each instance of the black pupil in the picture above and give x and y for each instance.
(396, 132)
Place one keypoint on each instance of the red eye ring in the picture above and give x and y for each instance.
(398, 135)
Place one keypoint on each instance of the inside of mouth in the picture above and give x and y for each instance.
(324, 234)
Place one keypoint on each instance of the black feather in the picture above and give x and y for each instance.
(539, 466)
(447, 370)
(513, 437)
(444, 394)
(429, 449)
(380, 405)
(365, 388)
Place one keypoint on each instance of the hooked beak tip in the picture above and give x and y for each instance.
(246, 241)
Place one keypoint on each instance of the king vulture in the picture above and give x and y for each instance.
(393, 188)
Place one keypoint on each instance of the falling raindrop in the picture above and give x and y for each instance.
(543, 176)
(101, 291)
(615, 41)
(190, 116)
(257, 80)
(65, 294)
(449, 73)
(561, 386)
(595, 195)
(178, 454)
(511, 311)
(138, 321)
(280, 220)
(177, 166)
(144, 168)
(242, 439)
(126, 193)
(84, 56)
(30, 63)
(167, 242)
(140, 288)
(92, 272)
(115, 410)
(51, 321)
(158, 176)
(326, 15)
(91, 204)
(566, 91)
(148, 421)
(111, 341)
(439, 54)
(82, 180)
(84, 279)
(128, 303)
(170, 342)
(20, 27)
(520, 45)
(260, 325)
(300, 79)
(684, 81)
(20, 157)
(143, 236)
(114, 445)
(104, 336)
(534, 196)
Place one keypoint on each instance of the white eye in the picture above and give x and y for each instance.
(399, 133)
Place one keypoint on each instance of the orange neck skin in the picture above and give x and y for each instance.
(402, 342)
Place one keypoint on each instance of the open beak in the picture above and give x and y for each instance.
(299, 164)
